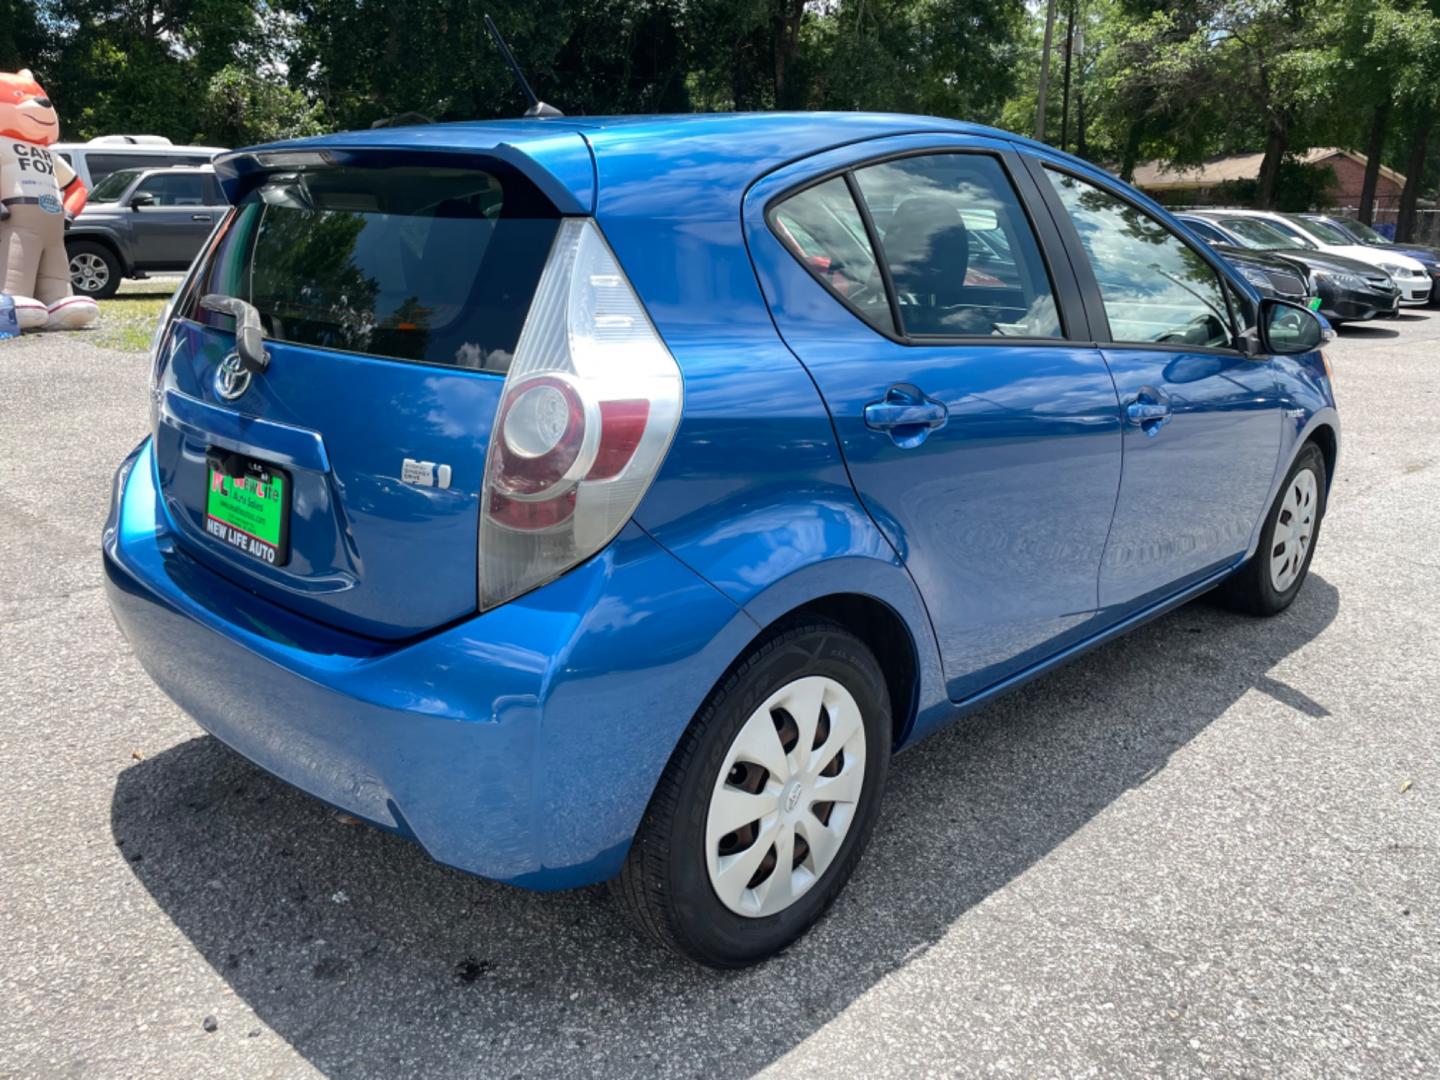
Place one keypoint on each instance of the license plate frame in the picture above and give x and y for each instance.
(241, 488)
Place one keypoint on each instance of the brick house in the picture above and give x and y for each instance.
(1197, 185)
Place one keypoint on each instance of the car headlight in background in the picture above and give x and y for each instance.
(1398, 271)
(1342, 279)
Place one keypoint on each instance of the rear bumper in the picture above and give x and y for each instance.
(521, 744)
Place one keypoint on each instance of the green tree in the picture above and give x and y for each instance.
(243, 108)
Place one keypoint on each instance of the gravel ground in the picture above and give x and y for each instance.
(1208, 849)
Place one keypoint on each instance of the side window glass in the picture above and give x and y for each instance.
(961, 253)
(1155, 287)
(175, 190)
(102, 165)
(823, 228)
(214, 196)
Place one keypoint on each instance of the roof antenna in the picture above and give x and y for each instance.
(537, 107)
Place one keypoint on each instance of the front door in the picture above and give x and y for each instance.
(980, 430)
(1201, 418)
(169, 233)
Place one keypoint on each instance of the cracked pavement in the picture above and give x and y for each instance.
(1211, 848)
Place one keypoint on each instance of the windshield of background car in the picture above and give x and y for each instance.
(1324, 230)
(435, 265)
(1263, 236)
(113, 186)
(1362, 232)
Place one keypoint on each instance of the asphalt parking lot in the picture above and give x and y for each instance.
(1212, 848)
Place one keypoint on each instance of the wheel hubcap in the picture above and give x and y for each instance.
(1294, 528)
(88, 272)
(786, 796)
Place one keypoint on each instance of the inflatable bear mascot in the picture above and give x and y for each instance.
(38, 190)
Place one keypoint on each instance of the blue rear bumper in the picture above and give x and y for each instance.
(522, 744)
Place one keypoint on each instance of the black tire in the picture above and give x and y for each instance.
(1251, 588)
(664, 886)
(88, 284)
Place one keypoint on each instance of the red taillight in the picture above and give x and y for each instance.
(621, 425)
(542, 433)
(590, 404)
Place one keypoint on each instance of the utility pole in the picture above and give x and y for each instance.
(1044, 72)
(1069, 52)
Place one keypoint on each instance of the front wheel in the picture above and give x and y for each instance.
(95, 270)
(1270, 581)
(761, 815)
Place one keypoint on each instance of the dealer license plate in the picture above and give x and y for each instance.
(247, 506)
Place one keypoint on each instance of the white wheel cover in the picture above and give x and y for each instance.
(1294, 528)
(797, 808)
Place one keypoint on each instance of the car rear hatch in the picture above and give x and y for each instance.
(344, 479)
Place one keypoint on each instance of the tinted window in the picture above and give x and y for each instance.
(1155, 287)
(1205, 232)
(1326, 232)
(114, 186)
(174, 189)
(435, 265)
(961, 254)
(1290, 237)
(102, 165)
(822, 227)
(1362, 232)
(213, 195)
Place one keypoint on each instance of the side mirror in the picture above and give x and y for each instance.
(1287, 328)
(141, 198)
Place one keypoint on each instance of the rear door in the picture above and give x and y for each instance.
(980, 427)
(345, 477)
(1201, 418)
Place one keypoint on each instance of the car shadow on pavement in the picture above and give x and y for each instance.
(1366, 330)
(370, 959)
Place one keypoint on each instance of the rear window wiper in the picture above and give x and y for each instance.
(249, 333)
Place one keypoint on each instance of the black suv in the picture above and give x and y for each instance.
(140, 222)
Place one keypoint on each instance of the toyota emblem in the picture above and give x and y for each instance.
(232, 378)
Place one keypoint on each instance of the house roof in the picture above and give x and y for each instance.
(1157, 176)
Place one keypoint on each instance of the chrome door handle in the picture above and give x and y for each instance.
(201, 217)
(1141, 411)
(906, 415)
(1150, 411)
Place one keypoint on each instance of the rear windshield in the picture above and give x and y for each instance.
(425, 264)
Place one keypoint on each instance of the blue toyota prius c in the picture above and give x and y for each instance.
(609, 499)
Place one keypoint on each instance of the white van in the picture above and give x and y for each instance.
(98, 158)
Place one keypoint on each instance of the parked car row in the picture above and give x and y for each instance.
(1349, 272)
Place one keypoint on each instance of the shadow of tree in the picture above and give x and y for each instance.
(369, 959)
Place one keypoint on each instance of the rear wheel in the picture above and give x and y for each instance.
(95, 270)
(767, 803)
(1270, 581)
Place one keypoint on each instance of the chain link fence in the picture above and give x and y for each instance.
(1427, 223)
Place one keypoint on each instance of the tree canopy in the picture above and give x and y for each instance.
(1130, 80)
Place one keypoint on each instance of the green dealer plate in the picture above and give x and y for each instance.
(247, 506)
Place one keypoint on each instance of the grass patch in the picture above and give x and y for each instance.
(127, 323)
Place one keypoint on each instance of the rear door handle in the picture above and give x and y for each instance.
(906, 415)
(201, 217)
